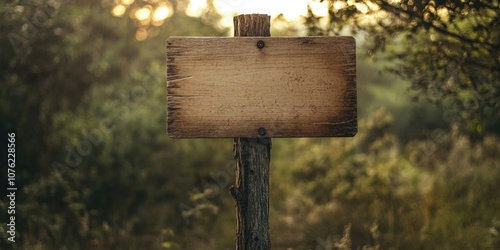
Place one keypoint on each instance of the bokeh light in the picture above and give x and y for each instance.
(128, 2)
(119, 10)
(141, 34)
(143, 13)
(162, 12)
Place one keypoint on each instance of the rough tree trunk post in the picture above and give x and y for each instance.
(252, 156)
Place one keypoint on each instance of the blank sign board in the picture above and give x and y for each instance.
(261, 87)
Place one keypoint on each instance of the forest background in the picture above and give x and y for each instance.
(83, 86)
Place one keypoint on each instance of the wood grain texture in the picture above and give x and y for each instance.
(251, 192)
(253, 157)
(292, 87)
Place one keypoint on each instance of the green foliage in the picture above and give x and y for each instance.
(448, 50)
(416, 196)
(96, 169)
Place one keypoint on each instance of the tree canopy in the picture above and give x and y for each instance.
(448, 50)
(82, 84)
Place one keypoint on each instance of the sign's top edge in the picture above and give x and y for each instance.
(260, 37)
(349, 39)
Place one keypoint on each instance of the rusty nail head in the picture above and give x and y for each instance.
(260, 44)
(262, 131)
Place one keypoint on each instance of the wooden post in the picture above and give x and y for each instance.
(252, 156)
(255, 87)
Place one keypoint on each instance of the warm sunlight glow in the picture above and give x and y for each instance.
(362, 8)
(442, 12)
(196, 7)
(292, 10)
(372, 6)
(161, 13)
(142, 13)
(118, 10)
(128, 2)
(319, 8)
(339, 5)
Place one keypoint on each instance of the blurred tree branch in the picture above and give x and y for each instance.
(448, 49)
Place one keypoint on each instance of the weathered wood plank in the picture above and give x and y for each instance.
(292, 87)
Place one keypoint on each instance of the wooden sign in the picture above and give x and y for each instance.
(261, 87)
